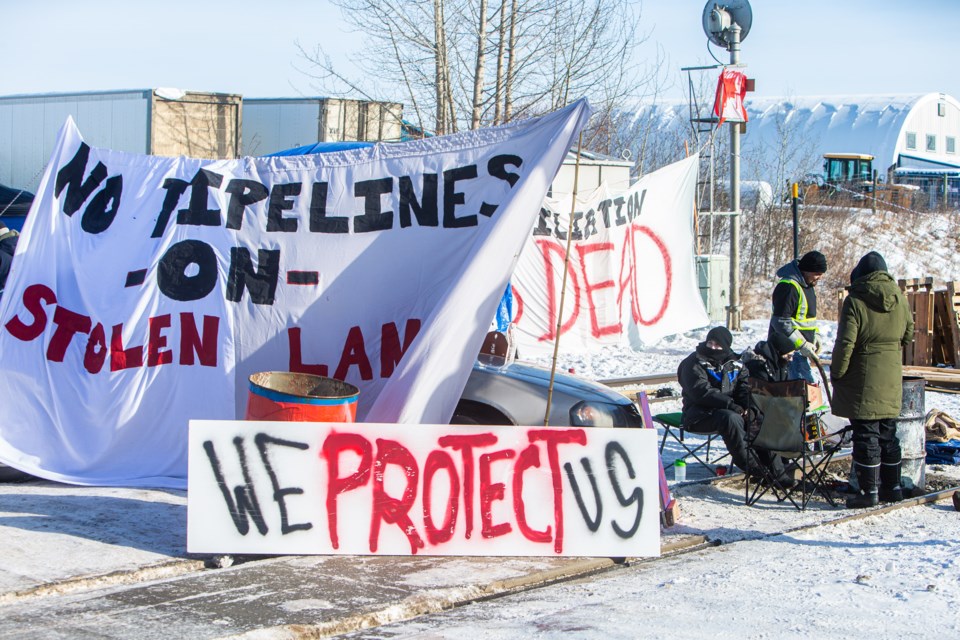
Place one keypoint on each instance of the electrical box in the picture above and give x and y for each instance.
(713, 278)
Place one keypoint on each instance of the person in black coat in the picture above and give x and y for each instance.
(716, 396)
(769, 360)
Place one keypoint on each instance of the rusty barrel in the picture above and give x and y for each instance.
(300, 397)
(911, 432)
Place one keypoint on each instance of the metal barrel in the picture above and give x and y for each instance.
(912, 435)
(300, 397)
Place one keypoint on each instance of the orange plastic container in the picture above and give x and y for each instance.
(300, 397)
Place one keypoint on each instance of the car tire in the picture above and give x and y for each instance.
(475, 413)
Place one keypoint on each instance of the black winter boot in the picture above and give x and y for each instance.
(868, 478)
(890, 488)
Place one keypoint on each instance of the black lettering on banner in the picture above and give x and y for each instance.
(619, 219)
(638, 204)
(280, 201)
(374, 218)
(426, 209)
(496, 167)
(577, 233)
(452, 197)
(615, 448)
(175, 188)
(243, 193)
(71, 177)
(604, 207)
(542, 229)
(172, 278)
(260, 282)
(196, 213)
(97, 217)
(592, 523)
(319, 221)
(590, 224)
(246, 497)
(280, 493)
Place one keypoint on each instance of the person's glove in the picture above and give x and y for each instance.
(738, 409)
(817, 343)
(808, 350)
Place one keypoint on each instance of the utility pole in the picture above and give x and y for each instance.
(733, 311)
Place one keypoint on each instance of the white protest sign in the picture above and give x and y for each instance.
(146, 290)
(631, 278)
(361, 489)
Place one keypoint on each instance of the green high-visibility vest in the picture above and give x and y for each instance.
(800, 320)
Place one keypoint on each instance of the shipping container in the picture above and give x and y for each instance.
(164, 122)
(275, 124)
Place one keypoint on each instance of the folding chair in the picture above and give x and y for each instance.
(673, 427)
(786, 431)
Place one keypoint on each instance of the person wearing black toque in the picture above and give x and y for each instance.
(867, 375)
(769, 359)
(795, 310)
(716, 396)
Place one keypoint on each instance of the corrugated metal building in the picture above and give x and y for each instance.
(166, 122)
(274, 124)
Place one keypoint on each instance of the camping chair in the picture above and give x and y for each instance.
(673, 427)
(785, 431)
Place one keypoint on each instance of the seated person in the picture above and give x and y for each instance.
(716, 396)
(770, 359)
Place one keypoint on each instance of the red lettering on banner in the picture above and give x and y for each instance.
(491, 492)
(333, 446)
(435, 461)
(354, 354)
(121, 358)
(190, 341)
(554, 438)
(465, 444)
(96, 352)
(33, 296)
(68, 324)
(584, 250)
(390, 348)
(156, 354)
(529, 457)
(546, 248)
(667, 272)
(387, 508)
(296, 356)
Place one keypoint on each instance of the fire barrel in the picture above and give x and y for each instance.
(300, 397)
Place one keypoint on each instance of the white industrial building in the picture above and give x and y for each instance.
(915, 139)
(166, 122)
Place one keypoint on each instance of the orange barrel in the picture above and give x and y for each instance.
(300, 397)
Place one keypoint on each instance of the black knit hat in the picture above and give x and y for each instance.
(781, 344)
(722, 336)
(813, 262)
(868, 264)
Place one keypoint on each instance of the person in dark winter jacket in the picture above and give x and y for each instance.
(716, 396)
(769, 359)
(866, 371)
(794, 313)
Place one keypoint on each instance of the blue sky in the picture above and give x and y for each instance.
(813, 47)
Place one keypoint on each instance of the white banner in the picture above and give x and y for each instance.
(316, 488)
(631, 271)
(146, 290)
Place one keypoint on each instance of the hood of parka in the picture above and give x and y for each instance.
(878, 290)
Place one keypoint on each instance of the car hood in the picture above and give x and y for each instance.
(562, 381)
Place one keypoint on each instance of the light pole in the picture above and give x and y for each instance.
(727, 23)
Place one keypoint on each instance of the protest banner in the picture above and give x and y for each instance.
(146, 290)
(318, 488)
(631, 273)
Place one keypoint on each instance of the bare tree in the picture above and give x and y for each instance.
(546, 53)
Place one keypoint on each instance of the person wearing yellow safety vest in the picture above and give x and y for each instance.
(795, 310)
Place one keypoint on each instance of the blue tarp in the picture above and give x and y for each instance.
(943, 452)
(321, 147)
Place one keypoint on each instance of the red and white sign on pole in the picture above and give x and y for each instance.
(731, 91)
(387, 489)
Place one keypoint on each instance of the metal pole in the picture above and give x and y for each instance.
(796, 221)
(733, 312)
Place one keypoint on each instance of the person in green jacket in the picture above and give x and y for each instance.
(866, 371)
